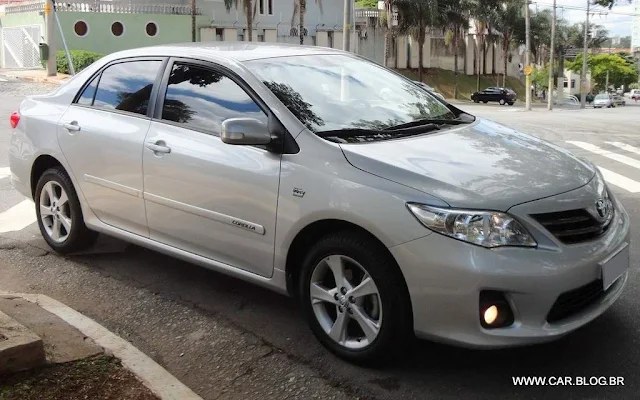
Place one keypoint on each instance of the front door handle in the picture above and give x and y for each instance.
(72, 126)
(159, 147)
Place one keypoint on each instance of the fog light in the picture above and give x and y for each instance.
(495, 311)
(491, 315)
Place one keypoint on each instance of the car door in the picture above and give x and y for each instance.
(101, 136)
(204, 196)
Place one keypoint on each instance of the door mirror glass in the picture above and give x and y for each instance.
(245, 131)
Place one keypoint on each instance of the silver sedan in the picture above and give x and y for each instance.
(384, 212)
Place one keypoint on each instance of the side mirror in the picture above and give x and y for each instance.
(245, 131)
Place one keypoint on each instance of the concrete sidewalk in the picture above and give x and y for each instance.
(33, 75)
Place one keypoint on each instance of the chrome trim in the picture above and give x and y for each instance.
(112, 185)
(201, 212)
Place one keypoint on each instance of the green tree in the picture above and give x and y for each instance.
(508, 19)
(247, 6)
(454, 20)
(413, 19)
(619, 70)
(610, 3)
(367, 3)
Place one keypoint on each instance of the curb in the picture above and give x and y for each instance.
(151, 374)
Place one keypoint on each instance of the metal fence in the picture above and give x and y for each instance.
(24, 7)
(20, 46)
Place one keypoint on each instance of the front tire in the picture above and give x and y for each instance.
(59, 213)
(365, 319)
(502, 102)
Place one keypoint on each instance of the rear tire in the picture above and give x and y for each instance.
(59, 213)
(511, 103)
(386, 304)
(502, 102)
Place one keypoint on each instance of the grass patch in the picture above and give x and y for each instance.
(442, 80)
(96, 378)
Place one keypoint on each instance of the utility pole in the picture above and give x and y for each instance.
(527, 59)
(583, 74)
(553, 44)
(193, 20)
(346, 32)
(388, 37)
(51, 33)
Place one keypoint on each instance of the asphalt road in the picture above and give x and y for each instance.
(166, 307)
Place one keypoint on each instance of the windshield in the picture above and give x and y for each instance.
(334, 92)
(602, 96)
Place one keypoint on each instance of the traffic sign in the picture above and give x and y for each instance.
(528, 70)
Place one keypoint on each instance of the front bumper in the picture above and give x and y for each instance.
(445, 277)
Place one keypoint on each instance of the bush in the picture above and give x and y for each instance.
(81, 59)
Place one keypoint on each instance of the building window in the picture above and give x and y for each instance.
(81, 28)
(151, 29)
(117, 29)
(266, 7)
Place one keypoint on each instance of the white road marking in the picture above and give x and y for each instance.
(18, 217)
(151, 374)
(606, 153)
(620, 181)
(5, 172)
(625, 147)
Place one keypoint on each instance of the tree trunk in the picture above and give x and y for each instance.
(478, 52)
(421, 39)
(505, 56)
(249, 37)
(455, 63)
(303, 9)
(388, 35)
(485, 50)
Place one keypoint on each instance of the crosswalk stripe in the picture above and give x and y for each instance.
(606, 153)
(625, 147)
(620, 181)
(18, 217)
(4, 172)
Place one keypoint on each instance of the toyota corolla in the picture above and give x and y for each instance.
(385, 213)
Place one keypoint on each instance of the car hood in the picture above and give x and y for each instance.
(483, 165)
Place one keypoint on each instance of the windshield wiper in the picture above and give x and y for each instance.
(375, 134)
(426, 122)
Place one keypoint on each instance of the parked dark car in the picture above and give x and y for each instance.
(497, 94)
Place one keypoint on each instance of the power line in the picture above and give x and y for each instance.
(591, 11)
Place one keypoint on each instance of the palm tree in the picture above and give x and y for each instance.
(247, 7)
(454, 18)
(484, 13)
(414, 18)
(300, 9)
(508, 19)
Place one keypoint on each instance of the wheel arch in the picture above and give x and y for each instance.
(40, 165)
(310, 234)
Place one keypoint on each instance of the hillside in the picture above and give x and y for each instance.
(442, 80)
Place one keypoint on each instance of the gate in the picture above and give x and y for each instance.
(20, 46)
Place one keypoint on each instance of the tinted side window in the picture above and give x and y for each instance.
(202, 99)
(127, 86)
(86, 99)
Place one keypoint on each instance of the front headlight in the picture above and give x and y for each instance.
(483, 228)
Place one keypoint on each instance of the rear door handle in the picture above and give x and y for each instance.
(159, 147)
(72, 126)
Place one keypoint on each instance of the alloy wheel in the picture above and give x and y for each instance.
(346, 302)
(55, 212)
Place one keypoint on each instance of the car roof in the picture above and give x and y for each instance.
(237, 51)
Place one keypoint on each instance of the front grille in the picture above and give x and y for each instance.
(573, 226)
(573, 301)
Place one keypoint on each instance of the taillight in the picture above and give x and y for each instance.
(15, 119)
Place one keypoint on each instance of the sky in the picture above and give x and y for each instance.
(616, 24)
